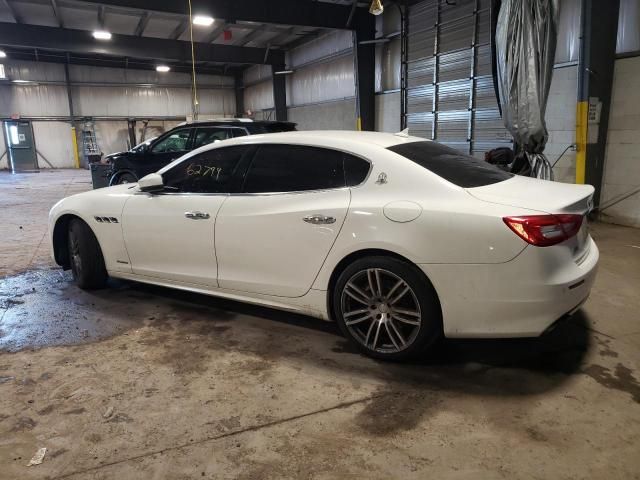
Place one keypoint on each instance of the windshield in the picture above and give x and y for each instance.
(455, 167)
(142, 145)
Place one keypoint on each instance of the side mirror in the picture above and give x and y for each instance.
(151, 183)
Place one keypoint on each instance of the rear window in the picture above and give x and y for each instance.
(452, 165)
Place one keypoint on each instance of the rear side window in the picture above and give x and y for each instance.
(294, 168)
(452, 165)
(355, 170)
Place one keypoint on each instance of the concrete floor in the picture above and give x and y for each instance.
(143, 382)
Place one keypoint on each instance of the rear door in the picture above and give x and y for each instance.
(273, 237)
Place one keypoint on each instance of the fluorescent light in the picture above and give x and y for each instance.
(284, 72)
(102, 35)
(21, 81)
(2, 54)
(162, 68)
(203, 20)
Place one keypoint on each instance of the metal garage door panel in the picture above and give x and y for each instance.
(461, 8)
(420, 72)
(454, 95)
(420, 99)
(455, 65)
(457, 34)
(420, 124)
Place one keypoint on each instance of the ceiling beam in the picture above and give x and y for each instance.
(249, 37)
(81, 42)
(278, 40)
(221, 27)
(308, 13)
(142, 24)
(179, 30)
(11, 10)
(101, 17)
(56, 13)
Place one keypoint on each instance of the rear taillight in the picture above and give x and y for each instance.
(545, 230)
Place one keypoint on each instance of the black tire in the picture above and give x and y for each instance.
(382, 314)
(124, 178)
(85, 257)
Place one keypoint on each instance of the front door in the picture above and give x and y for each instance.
(170, 235)
(273, 237)
(21, 147)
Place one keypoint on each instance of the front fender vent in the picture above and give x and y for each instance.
(106, 219)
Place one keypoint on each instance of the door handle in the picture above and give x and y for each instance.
(197, 215)
(317, 219)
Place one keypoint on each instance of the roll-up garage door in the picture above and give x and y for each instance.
(450, 96)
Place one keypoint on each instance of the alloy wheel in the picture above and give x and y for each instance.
(381, 310)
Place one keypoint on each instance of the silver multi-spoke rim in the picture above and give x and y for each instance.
(381, 310)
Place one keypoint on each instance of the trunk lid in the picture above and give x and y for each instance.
(543, 196)
(538, 195)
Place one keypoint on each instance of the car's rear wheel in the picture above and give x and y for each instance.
(85, 257)
(125, 178)
(387, 308)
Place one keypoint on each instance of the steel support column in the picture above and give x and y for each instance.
(365, 63)
(239, 91)
(279, 92)
(595, 80)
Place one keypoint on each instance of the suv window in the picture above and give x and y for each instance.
(205, 136)
(175, 142)
(294, 168)
(355, 170)
(208, 172)
(452, 165)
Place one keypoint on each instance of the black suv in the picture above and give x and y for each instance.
(151, 156)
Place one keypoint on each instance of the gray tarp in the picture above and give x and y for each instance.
(525, 45)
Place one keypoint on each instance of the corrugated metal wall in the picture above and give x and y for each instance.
(105, 92)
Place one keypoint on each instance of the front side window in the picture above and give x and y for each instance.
(205, 136)
(208, 172)
(294, 168)
(174, 142)
(452, 165)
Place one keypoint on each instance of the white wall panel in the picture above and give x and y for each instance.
(256, 73)
(81, 73)
(42, 71)
(388, 112)
(155, 102)
(329, 44)
(568, 43)
(259, 96)
(54, 142)
(338, 115)
(628, 27)
(388, 56)
(321, 82)
(33, 100)
(622, 157)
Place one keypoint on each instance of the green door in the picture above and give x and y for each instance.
(21, 146)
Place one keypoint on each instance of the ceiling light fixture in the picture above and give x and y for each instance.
(203, 20)
(376, 7)
(284, 72)
(162, 68)
(2, 54)
(102, 35)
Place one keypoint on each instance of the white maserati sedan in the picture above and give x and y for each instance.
(397, 239)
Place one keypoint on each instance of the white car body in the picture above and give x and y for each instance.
(256, 248)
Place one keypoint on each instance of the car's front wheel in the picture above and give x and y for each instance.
(387, 308)
(85, 256)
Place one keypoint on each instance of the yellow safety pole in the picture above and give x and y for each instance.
(582, 112)
(76, 154)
